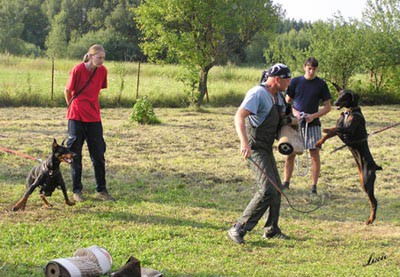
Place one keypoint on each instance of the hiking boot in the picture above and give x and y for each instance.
(78, 197)
(314, 189)
(285, 185)
(236, 233)
(275, 235)
(104, 195)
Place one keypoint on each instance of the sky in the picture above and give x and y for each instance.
(313, 10)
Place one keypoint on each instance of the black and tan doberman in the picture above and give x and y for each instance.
(350, 128)
(47, 176)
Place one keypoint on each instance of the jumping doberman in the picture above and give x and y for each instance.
(350, 128)
(47, 176)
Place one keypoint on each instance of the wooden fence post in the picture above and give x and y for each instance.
(52, 78)
(137, 82)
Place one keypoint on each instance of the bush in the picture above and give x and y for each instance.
(143, 112)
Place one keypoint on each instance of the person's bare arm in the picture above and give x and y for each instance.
(67, 95)
(326, 109)
(240, 127)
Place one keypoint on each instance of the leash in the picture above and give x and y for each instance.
(373, 133)
(281, 192)
(82, 88)
(26, 156)
(305, 149)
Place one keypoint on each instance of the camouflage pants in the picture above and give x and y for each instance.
(267, 198)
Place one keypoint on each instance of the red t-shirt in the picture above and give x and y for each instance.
(86, 107)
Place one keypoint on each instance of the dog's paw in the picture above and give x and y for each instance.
(16, 209)
(370, 220)
(319, 143)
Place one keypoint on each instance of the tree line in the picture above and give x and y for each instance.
(66, 28)
(202, 34)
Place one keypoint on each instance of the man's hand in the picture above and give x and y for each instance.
(245, 149)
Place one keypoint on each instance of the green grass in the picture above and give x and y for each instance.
(180, 185)
(27, 82)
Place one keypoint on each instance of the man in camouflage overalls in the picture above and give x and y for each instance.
(257, 122)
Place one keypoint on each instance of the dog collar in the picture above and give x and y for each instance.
(49, 171)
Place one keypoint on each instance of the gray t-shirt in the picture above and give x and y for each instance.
(259, 102)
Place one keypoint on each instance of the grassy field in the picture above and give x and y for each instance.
(28, 82)
(180, 185)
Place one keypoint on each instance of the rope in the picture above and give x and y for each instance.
(305, 137)
(281, 192)
(373, 133)
(26, 156)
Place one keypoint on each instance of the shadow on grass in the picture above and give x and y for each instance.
(341, 207)
(157, 220)
(197, 189)
(204, 190)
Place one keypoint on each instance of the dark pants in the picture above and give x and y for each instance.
(92, 133)
(267, 198)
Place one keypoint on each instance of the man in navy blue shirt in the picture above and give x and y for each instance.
(307, 92)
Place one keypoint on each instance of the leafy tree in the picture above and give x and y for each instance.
(56, 41)
(95, 17)
(51, 8)
(121, 23)
(117, 46)
(288, 24)
(381, 41)
(36, 24)
(108, 22)
(336, 44)
(288, 48)
(77, 23)
(201, 33)
(11, 27)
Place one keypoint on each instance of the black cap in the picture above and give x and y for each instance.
(279, 70)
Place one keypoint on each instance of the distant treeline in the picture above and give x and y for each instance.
(128, 30)
(67, 28)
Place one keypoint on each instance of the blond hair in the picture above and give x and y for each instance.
(93, 50)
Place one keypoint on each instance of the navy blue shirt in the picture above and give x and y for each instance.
(307, 94)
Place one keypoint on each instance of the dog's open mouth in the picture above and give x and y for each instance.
(67, 160)
(339, 105)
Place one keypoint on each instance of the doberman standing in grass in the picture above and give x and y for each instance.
(47, 176)
(350, 128)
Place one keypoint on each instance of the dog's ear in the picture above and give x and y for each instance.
(337, 87)
(62, 143)
(54, 145)
(354, 99)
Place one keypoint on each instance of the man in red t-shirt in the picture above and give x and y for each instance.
(84, 120)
